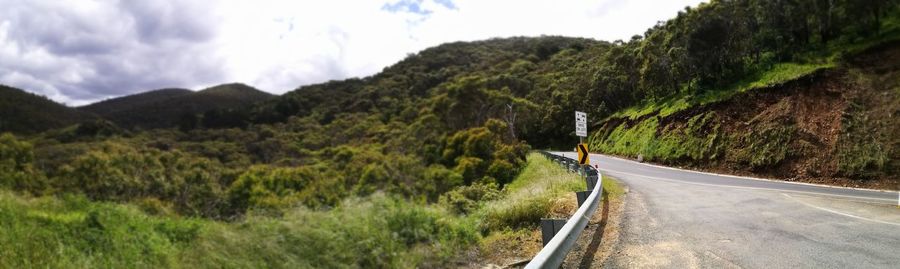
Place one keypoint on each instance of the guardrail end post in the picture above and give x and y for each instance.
(591, 181)
(549, 228)
(582, 196)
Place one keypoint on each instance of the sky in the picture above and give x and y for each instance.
(81, 51)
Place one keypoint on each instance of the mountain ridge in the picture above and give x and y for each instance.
(165, 108)
(25, 112)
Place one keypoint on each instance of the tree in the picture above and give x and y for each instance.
(16, 166)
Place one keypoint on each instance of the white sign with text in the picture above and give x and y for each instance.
(580, 124)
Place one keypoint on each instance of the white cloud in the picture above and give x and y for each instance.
(82, 51)
(278, 46)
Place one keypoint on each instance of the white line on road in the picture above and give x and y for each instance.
(740, 177)
(745, 187)
(840, 213)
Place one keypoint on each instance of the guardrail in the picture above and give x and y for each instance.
(554, 252)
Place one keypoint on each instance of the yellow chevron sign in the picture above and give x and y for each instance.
(583, 154)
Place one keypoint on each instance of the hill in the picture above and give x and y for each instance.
(466, 113)
(123, 104)
(168, 108)
(22, 112)
(654, 95)
(807, 94)
(833, 125)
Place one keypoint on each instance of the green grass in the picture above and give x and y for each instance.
(890, 33)
(544, 189)
(700, 138)
(541, 176)
(72, 232)
(531, 195)
(627, 140)
(826, 58)
(378, 231)
(779, 73)
(612, 189)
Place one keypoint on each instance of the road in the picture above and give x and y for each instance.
(684, 219)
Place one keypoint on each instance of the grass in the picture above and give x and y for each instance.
(890, 33)
(71, 232)
(612, 190)
(539, 191)
(779, 73)
(863, 151)
(540, 187)
(543, 189)
(377, 231)
(829, 57)
(865, 144)
(380, 231)
(700, 138)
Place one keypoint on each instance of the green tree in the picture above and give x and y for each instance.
(17, 166)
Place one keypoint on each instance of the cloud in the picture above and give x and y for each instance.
(411, 6)
(82, 51)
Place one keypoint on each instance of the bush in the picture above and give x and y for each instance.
(519, 214)
(71, 232)
(17, 166)
(438, 180)
(765, 146)
(465, 199)
(481, 154)
(533, 195)
(276, 188)
(117, 172)
(378, 231)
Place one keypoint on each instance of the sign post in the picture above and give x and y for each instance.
(580, 124)
(583, 157)
(581, 132)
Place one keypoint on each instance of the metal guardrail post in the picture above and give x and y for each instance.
(581, 196)
(555, 251)
(549, 228)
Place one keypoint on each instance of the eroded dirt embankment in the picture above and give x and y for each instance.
(838, 126)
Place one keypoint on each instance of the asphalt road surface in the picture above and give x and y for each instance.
(683, 219)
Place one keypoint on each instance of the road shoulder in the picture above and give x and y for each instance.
(600, 238)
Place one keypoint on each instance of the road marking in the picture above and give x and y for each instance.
(745, 187)
(743, 177)
(840, 213)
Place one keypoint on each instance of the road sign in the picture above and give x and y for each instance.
(580, 124)
(583, 154)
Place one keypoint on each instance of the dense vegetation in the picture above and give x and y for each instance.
(434, 135)
(27, 113)
(71, 231)
(182, 108)
(801, 103)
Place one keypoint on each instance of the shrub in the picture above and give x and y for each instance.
(522, 213)
(117, 172)
(465, 199)
(276, 188)
(16, 166)
(765, 146)
(438, 179)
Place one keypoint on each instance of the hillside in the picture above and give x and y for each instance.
(835, 125)
(168, 108)
(125, 103)
(401, 167)
(26, 113)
